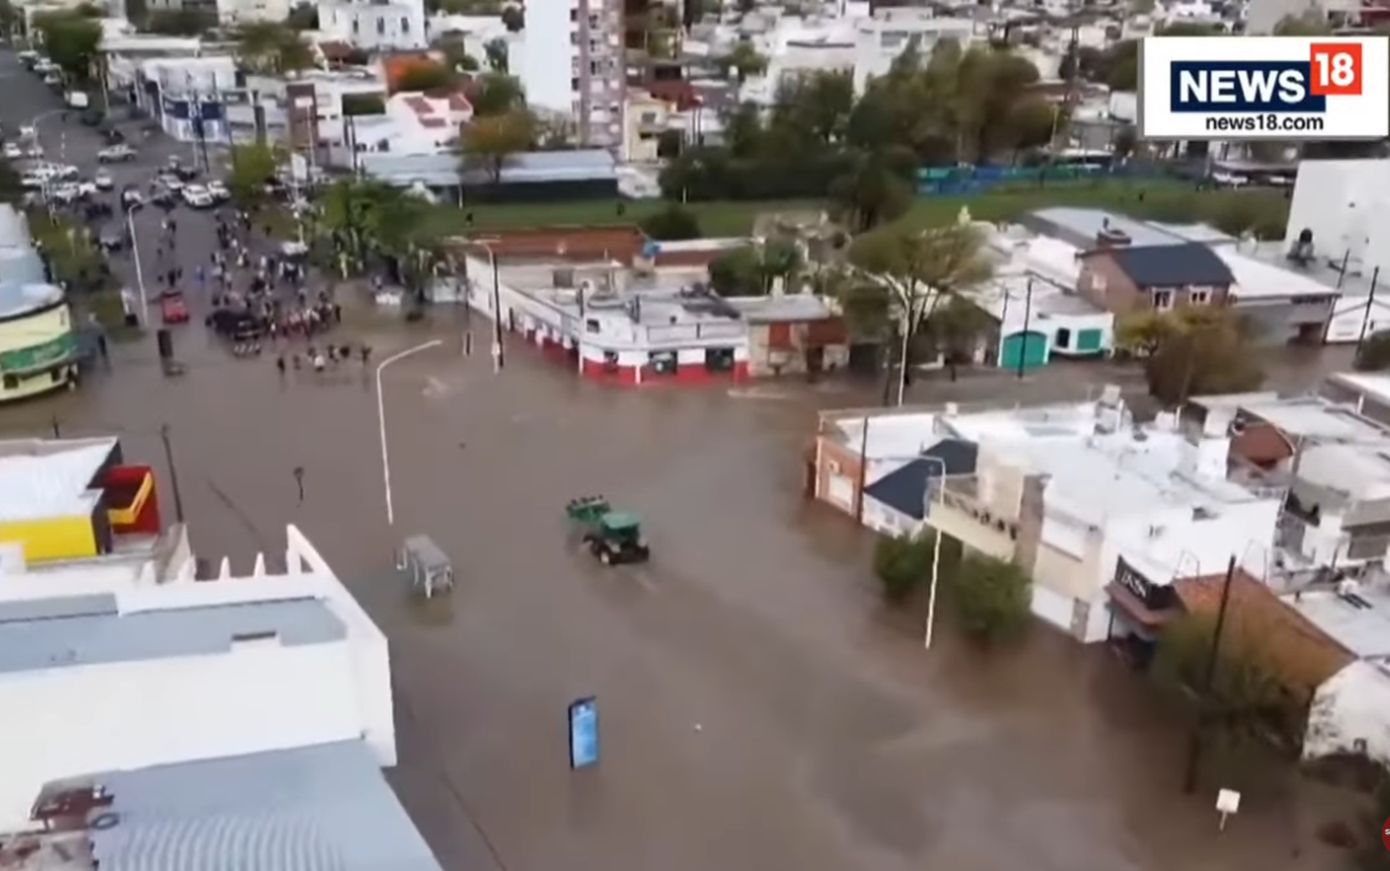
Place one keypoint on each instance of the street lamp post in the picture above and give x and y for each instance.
(135, 255)
(935, 556)
(381, 421)
(498, 353)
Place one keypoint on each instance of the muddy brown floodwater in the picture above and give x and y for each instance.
(759, 708)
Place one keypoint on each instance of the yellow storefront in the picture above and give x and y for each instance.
(38, 349)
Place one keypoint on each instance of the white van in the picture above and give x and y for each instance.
(78, 100)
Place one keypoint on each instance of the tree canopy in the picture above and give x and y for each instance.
(497, 94)
(71, 40)
(672, 223)
(272, 47)
(1192, 350)
(424, 77)
(303, 16)
(180, 22)
(991, 598)
(490, 141)
(252, 166)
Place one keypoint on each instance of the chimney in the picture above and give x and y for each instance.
(1110, 237)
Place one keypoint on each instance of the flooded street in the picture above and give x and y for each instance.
(760, 708)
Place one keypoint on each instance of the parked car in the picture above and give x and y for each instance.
(65, 193)
(172, 307)
(219, 191)
(197, 196)
(170, 181)
(13, 151)
(32, 181)
(185, 173)
(112, 135)
(34, 151)
(92, 117)
(53, 79)
(116, 154)
(112, 241)
(103, 181)
(87, 189)
(164, 198)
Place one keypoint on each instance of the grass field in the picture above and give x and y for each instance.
(1157, 199)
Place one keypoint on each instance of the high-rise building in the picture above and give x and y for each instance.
(572, 65)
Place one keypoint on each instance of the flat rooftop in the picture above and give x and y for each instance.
(1361, 625)
(42, 478)
(1373, 384)
(1313, 417)
(319, 808)
(83, 630)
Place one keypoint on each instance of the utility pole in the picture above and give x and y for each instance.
(57, 433)
(1027, 322)
(1370, 303)
(1194, 750)
(173, 472)
(499, 354)
(863, 471)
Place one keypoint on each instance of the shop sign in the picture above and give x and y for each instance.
(39, 356)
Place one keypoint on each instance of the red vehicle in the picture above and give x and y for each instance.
(173, 308)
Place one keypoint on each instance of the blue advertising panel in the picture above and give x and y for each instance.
(583, 729)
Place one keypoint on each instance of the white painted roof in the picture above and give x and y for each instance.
(1373, 384)
(1363, 631)
(1257, 279)
(48, 479)
(891, 436)
(1359, 470)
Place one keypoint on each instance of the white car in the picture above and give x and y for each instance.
(66, 170)
(103, 181)
(28, 131)
(171, 181)
(53, 79)
(115, 154)
(13, 151)
(197, 196)
(32, 181)
(219, 191)
(35, 150)
(65, 193)
(87, 189)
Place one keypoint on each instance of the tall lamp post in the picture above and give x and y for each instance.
(498, 353)
(381, 421)
(935, 554)
(135, 255)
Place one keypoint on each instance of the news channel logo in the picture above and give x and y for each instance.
(1264, 87)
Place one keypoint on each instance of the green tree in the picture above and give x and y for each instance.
(745, 61)
(11, 191)
(71, 41)
(672, 223)
(180, 22)
(813, 106)
(901, 563)
(513, 19)
(497, 94)
(252, 166)
(490, 141)
(424, 77)
(877, 188)
(8, 18)
(372, 216)
(991, 598)
(737, 272)
(272, 48)
(495, 51)
(1031, 123)
(1192, 351)
(1374, 353)
(918, 271)
(303, 16)
(956, 328)
(1307, 24)
(1119, 66)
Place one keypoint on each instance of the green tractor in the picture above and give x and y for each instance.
(612, 536)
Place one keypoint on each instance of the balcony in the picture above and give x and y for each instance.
(960, 514)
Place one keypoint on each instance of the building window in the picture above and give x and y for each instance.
(1163, 299)
(1063, 339)
(574, 15)
(356, 26)
(574, 84)
(648, 117)
(593, 67)
(1198, 297)
(574, 39)
(591, 325)
(11, 382)
(381, 27)
(405, 24)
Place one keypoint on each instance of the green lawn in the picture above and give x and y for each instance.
(1157, 199)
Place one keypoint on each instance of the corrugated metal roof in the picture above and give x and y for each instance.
(321, 808)
(55, 642)
(442, 170)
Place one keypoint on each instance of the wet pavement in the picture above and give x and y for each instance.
(760, 709)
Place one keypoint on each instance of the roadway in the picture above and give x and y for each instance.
(760, 708)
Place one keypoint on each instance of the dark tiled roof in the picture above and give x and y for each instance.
(1169, 265)
(905, 488)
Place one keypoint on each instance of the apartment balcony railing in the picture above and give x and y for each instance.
(959, 512)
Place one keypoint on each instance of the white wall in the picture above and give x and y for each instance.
(1346, 203)
(83, 719)
(370, 25)
(1349, 318)
(242, 11)
(546, 60)
(1351, 706)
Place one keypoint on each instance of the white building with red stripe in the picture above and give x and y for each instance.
(612, 329)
